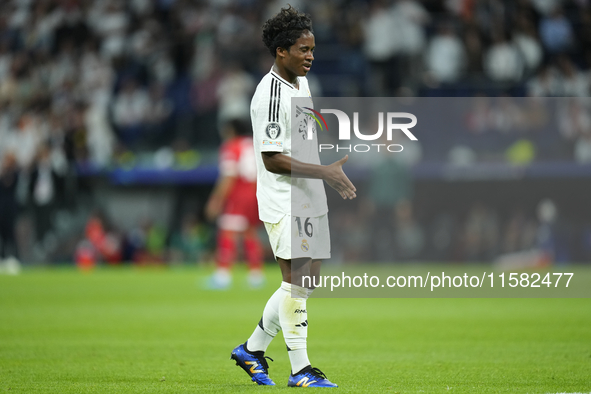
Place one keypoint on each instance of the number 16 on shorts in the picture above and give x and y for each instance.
(308, 227)
(310, 237)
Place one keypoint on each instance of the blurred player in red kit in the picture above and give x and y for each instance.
(233, 203)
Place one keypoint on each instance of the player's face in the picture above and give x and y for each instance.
(298, 60)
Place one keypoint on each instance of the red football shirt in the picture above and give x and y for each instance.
(237, 160)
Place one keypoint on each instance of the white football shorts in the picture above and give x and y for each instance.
(296, 237)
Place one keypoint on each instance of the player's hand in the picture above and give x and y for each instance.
(336, 178)
(213, 209)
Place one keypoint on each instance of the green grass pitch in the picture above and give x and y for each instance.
(156, 331)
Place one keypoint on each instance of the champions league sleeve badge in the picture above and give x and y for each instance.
(273, 130)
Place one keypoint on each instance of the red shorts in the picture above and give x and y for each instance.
(240, 213)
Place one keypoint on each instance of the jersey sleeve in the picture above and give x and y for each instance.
(271, 120)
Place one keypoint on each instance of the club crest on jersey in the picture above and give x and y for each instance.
(305, 245)
(273, 130)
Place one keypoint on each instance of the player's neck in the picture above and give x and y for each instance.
(289, 77)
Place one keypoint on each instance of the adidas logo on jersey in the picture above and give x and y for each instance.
(304, 324)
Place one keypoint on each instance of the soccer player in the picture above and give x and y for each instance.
(233, 202)
(282, 180)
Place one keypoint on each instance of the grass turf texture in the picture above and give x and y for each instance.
(156, 331)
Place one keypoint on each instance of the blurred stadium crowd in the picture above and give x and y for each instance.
(91, 85)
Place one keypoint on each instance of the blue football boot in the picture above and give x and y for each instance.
(309, 377)
(255, 365)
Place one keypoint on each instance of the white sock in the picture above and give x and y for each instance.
(268, 326)
(298, 359)
(293, 318)
(222, 277)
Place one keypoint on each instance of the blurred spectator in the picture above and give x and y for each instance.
(141, 8)
(191, 242)
(44, 191)
(145, 243)
(63, 68)
(582, 152)
(574, 83)
(474, 49)
(130, 111)
(478, 118)
(390, 184)
(411, 18)
(159, 110)
(76, 135)
(583, 30)
(446, 56)
(96, 73)
(234, 93)
(548, 246)
(109, 20)
(409, 238)
(100, 244)
(5, 59)
(155, 243)
(506, 115)
(348, 28)
(548, 237)
(234, 32)
(26, 140)
(8, 185)
(480, 235)
(382, 46)
(518, 233)
(573, 118)
(546, 7)
(100, 135)
(546, 83)
(556, 32)
(527, 43)
(442, 236)
(385, 195)
(353, 238)
(502, 61)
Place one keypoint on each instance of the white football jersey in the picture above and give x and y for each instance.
(271, 114)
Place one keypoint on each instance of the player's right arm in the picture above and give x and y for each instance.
(332, 174)
(228, 174)
(217, 198)
(271, 118)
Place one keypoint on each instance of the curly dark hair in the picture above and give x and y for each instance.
(240, 127)
(284, 29)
